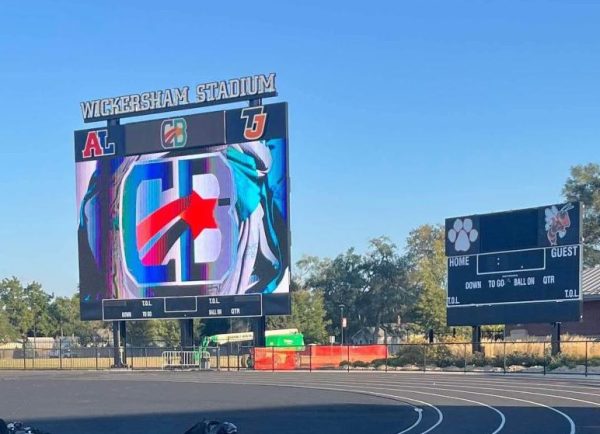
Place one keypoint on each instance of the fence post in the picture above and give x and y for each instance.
(96, 348)
(504, 363)
(424, 357)
(24, 354)
(544, 357)
(272, 359)
(219, 358)
(348, 352)
(60, 356)
(228, 345)
(465, 357)
(586, 358)
(386, 356)
(310, 347)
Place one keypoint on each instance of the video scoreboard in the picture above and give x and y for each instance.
(185, 216)
(520, 266)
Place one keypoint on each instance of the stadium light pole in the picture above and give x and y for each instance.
(342, 323)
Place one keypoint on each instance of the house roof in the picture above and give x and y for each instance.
(590, 283)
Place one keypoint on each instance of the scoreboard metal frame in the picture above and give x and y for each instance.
(515, 285)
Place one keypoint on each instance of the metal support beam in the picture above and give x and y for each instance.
(117, 362)
(187, 334)
(555, 338)
(123, 331)
(476, 339)
(259, 333)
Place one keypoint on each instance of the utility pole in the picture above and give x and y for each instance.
(342, 323)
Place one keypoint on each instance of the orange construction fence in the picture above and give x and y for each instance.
(316, 356)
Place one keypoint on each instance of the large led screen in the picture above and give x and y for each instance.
(167, 234)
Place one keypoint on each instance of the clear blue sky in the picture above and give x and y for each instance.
(401, 113)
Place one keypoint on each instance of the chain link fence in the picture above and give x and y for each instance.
(575, 357)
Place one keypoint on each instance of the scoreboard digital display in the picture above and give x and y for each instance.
(520, 266)
(185, 216)
(183, 307)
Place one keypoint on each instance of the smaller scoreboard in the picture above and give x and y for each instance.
(512, 267)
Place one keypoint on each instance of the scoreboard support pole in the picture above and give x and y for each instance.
(123, 332)
(476, 339)
(116, 344)
(261, 322)
(555, 338)
(119, 327)
(261, 327)
(186, 334)
(116, 329)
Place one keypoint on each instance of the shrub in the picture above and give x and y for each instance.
(396, 362)
(443, 357)
(594, 361)
(410, 355)
(560, 360)
(478, 359)
(378, 362)
(523, 359)
(451, 360)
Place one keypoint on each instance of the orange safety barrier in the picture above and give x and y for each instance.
(273, 358)
(317, 356)
(330, 356)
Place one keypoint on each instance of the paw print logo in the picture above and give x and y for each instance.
(462, 234)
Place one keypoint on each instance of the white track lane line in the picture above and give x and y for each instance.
(318, 385)
(564, 415)
(451, 384)
(414, 425)
(529, 386)
(394, 397)
(593, 383)
(397, 398)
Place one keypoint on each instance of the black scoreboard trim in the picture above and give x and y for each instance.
(211, 301)
(498, 313)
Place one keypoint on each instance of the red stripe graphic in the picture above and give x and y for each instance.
(196, 211)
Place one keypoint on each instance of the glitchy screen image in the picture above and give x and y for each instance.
(155, 225)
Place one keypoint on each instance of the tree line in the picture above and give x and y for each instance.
(384, 288)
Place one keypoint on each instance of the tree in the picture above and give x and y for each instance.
(373, 288)
(427, 274)
(65, 317)
(388, 296)
(154, 332)
(38, 302)
(168, 332)
(141, 333)
(7, 332)
(308, 316)
(342, 282)
(15, 305)
(65, 313)
(29, 310)
(584, 185)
